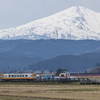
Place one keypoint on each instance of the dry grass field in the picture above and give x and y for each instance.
(13, 91)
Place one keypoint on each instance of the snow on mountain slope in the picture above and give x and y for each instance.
(75, 23)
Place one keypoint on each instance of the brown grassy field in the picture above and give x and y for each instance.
(13, 91)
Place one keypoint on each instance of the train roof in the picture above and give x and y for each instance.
(18, 73)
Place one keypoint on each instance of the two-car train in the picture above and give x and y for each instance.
(18, 77)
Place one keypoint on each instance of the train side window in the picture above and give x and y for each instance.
(9, 75)
(12, 75)
(25, 75)
(15, 75)
(20, 75)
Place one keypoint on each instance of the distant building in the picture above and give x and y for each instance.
(64, 74)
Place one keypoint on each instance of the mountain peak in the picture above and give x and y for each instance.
(78, 7)
(75, 23)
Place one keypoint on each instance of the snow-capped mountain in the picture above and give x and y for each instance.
(75, 23)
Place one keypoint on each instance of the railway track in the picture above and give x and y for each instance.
(66, 80)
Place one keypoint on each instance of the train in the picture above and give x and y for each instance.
(18, 77)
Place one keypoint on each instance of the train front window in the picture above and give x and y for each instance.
(5, 75)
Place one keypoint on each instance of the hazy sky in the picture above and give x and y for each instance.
(18, 12)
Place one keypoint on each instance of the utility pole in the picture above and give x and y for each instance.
(8, 68)
(78, 71)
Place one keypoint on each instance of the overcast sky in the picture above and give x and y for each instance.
(18, 12)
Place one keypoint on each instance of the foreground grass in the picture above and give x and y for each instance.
(48, 91)
(19, 98)
(10, 84)
(77, 90)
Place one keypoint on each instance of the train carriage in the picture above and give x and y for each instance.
(18, 77)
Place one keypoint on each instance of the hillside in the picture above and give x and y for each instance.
(96, 69)
(47, 48)
(22, 53)
(9, 63)
(73, 63)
